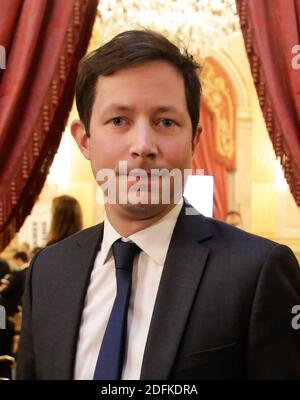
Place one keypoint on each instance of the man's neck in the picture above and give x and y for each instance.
(126, 223)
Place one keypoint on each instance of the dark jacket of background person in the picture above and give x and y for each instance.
(11, 299)
(12, 295)
(4, 268)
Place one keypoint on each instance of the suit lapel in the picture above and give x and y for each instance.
(184, 266)
(76, 278)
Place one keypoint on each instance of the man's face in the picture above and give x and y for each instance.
(139, 116)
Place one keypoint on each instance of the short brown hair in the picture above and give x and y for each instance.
(130, 48)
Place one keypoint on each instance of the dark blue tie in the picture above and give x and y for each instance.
(111, 356)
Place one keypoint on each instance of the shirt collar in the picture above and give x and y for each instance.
(157, 249)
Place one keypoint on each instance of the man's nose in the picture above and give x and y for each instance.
(143, 141)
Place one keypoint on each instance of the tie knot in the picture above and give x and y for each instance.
(124, 253)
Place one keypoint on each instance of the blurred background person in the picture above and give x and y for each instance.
(11, 292)
(4, 268)
(21, 260)
(234, 218)
(25, 247)
(14, 284)
(66, 218)
(35, 250)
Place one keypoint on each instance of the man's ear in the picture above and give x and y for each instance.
(196, 137)
(81, 137)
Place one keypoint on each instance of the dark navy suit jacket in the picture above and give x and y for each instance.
(223, 308)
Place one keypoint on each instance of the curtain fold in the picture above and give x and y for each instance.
(205, 158)
(44, 41)
(271, 29)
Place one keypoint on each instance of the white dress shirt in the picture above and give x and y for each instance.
(147, 269)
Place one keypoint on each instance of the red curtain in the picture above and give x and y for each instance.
(205, 158)
(271, 30)
(44, 40)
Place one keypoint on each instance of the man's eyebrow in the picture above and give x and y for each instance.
(117, 107)
(170, 108)
(124, 108)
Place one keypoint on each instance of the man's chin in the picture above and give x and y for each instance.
(144, 211)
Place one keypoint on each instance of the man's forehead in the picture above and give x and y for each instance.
(152, 69)
(142, 80)
(156, 86)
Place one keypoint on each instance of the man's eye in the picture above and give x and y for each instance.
(118, 121)
(166, 123)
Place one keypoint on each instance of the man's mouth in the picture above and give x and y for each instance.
(155, 173)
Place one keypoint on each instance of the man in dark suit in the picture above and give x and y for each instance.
(207, 301)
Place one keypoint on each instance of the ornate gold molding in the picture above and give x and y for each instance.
(218, 96)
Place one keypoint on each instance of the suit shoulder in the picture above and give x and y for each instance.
(245, 253)
(65, 246)
(220, 232)
(235, 244)
(230, 233)
(85, 234)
